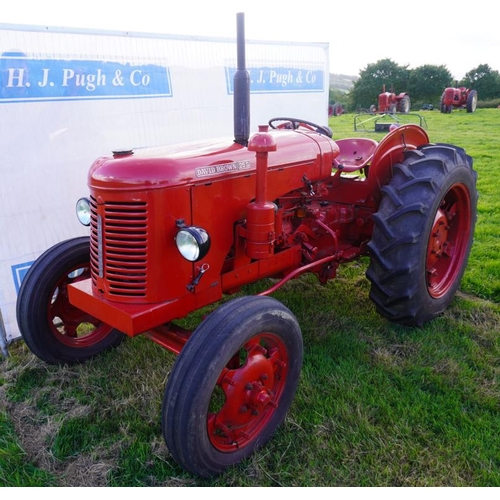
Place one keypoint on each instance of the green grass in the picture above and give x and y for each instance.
(377, 405)
(15, 467)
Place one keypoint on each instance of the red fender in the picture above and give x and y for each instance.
(390, 150)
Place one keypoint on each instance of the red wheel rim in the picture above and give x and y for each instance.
(247, 393)
(70, 325)
(448, 241)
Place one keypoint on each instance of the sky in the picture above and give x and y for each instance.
(460, 35)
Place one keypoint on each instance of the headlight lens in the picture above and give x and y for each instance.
(193, 243)
(83, 211)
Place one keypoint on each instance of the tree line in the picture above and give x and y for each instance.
(424, 84)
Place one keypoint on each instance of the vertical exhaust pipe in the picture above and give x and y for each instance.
(241, 106)
(261, 214)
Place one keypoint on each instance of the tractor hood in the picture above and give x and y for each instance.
(201, 162)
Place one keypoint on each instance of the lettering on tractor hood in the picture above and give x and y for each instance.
(236, 166)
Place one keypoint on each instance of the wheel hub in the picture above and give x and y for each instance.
(447, 245)
(439, 238)
(250, 393)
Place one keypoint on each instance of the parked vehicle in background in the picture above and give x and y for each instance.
(460, 98)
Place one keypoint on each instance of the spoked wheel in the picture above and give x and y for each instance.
(423, 234)
(295, 123)
(232, 384)
(54, 330)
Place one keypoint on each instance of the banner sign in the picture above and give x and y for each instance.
(26, 79)
(269, 79)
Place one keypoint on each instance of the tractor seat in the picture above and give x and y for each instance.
(354, 153)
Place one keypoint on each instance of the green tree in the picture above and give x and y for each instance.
(373, 78)
(483, 79)
(337, 96)
(427, 83)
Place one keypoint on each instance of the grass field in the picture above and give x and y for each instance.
(378, 404)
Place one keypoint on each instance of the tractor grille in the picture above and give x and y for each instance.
(119, 247)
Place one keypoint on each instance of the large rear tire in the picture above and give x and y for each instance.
(232, 384)
(423, 234)
(471, 104)
(54, 330)
(404, 105)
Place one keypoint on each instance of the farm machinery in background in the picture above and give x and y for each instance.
(335, 109)
(392, 110)
(389, 102)
(460, 98)
(177, 229)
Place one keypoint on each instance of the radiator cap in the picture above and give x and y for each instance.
(123, 152)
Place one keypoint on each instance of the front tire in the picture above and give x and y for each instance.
(232, 384)
(445, 108)
(423, 234)
(53, 329)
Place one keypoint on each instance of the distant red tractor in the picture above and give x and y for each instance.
(335, 109)
(458, 97)
(178, 228)
(389, 102)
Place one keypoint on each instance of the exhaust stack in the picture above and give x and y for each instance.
(241, 106)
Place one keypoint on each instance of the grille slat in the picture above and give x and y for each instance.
(124, 247)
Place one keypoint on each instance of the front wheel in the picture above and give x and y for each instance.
(445, 108)
(53, 329)
(232, 384)
(423, 234)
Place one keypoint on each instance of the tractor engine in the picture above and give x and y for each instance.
(172, 229)
(386, 102)
(322, 228)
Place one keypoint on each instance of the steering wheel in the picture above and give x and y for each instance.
(295, 123)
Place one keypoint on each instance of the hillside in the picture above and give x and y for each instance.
(342, 82)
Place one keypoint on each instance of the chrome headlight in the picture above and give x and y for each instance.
(83, 211)
(193, 243)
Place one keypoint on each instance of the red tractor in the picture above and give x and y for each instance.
(458, 97)
(389, 102)
(173, 230)
(335, 109)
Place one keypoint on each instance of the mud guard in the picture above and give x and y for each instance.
(391, 149)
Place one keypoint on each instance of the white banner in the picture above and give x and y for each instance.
(70, 96)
